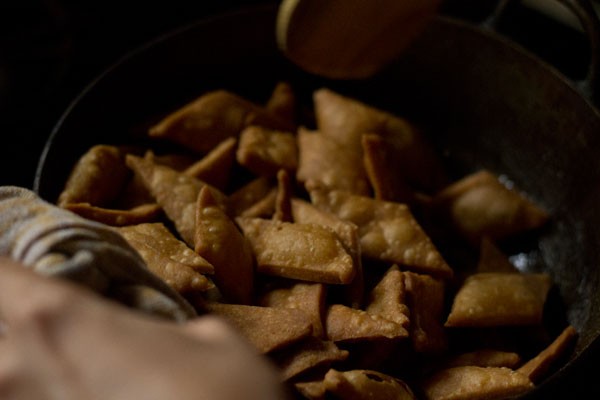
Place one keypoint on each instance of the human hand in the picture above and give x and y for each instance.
(60, 341)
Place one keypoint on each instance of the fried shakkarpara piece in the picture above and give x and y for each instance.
(485, 358)
(366, 385)
(265, 151)
(312, 390)
(144, 213)
(538, 367)
(176, 193)
(283, 102)
(218, 239)
(345, 120)
(492, 259)
(475, 383)
(97, 178)
(168, 257)
(425, 299)
(309, 354)
(345, 324)
(326, 163)
(387, 299)
(306, 252)
(308, 297)
(213, 117)
(248, 195)
(384, 170)
(500, 299)
(267, 328)
(480, 205)
(388, 231)
(263, 208)
(214, 168)
(283, 199)
(304, 212)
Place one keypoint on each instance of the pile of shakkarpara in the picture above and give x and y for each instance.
(325, 242)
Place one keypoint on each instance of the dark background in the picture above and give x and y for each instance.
(51, 49)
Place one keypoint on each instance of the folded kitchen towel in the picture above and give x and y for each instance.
(55, 242)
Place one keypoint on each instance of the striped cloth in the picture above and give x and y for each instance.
(55, 242)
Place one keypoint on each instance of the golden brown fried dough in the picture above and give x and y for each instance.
(485, 358)
(169, 258)
(538, 367)
(283, 200)
(475, 383)
(492, 259)
(113, 217)
(480, 205)
(500, 299)
(283, 102)
(312, 390)
(246, 196)
(263, 208)
(218, 240)
(345, 324)
(425, 298)
(311, 353)
(326, 163)
(267, 328)
(306, 252)
(213, 117)
(345, 120)
(97, 178)
(308, 297)
(265, 151)
(388, 231)
(387, 299)
(384, 171)
(176, 193)
(366, 385)
(304, 212)
(215, 167)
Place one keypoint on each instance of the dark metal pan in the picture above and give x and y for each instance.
(485, 101)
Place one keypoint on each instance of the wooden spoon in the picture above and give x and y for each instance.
(349, 39)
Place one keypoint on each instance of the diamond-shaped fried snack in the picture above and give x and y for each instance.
(538, 367)
(307, 252)
(492, 259)
(218, 240)
(308, 297)
(425, 299)
(345, 324)
(263, 208)
(283, 102)
(485, 358)
(388, 231)
(266, 151)
(97, 178)
(176, 193)
(326, 163)
(247, 195)
(477, 383)
(213, 117)
(387, 299)
(283, 199)
(309, 354)
(267, 328)
(491, 299)
(168, 257)
(113, 217)
(304, 212)
(345, 120)
(214, 168)
(365, 385)
(480, 205)
(384, 171)
(311, 390)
